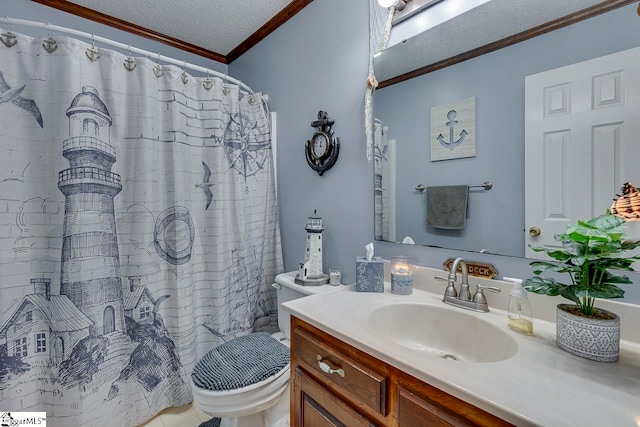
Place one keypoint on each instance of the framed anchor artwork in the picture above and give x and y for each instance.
(453, 130)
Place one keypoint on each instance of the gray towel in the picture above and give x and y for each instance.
(447, 206)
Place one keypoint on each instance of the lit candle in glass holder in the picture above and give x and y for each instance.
(401, 275)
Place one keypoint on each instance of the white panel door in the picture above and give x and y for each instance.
(582, 142)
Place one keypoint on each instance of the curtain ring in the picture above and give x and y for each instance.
(225, 88)
(157, 69)
(184, 76)
(50, 45)
(129, 63)
(92, 52)
(208, 83)
(8, 38)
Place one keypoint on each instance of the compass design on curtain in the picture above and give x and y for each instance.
(246, 145)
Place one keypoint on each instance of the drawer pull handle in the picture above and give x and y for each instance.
(328, 369)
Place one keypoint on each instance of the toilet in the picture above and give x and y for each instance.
(256, 393)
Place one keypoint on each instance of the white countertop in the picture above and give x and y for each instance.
(540, 385)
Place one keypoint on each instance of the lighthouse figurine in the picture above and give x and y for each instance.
(310, 272)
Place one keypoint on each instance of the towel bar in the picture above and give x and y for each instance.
(487, 185)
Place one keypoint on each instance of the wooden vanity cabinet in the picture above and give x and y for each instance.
(335, 384)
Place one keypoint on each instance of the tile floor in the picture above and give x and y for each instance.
(184, 416)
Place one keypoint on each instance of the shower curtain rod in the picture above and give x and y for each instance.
(183, 64)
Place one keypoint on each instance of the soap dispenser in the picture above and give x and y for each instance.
(519, 316)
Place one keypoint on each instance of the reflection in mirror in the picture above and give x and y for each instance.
(495, 219)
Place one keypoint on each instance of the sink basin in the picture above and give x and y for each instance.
(443, 332)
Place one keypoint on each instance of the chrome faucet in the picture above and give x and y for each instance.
(464, 299)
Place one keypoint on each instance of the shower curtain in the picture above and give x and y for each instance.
(138, 229)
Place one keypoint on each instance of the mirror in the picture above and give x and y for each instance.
(495, 220)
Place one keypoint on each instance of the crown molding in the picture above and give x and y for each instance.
(84, 12)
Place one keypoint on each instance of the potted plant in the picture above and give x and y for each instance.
(588, 253)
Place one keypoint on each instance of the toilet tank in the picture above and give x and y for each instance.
(288, 290)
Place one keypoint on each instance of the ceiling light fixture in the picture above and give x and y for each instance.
(399, 4)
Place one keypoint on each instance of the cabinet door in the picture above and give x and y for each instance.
(315, 406)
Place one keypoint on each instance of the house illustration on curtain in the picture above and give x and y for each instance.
(45, 326)
(138, 301)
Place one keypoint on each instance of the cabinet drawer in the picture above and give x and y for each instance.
(359, 383)
(414, 411)
(315, 406)
(438, 409)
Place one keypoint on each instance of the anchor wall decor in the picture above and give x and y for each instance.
(453, 130)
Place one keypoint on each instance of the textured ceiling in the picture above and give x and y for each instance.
(215, 25)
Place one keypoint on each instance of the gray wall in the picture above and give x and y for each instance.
(26, 9)
(318, 61)
(497, 82)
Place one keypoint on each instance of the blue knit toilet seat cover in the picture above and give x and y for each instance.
(241, 362)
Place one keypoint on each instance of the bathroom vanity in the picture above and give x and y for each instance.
(389, 360)
(356, 389)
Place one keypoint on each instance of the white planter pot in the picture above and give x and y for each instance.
(594, 339)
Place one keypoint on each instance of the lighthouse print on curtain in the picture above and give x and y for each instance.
(139, 230)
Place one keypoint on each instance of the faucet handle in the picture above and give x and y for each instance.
(479, 297)
(488, 288)
(451, 289)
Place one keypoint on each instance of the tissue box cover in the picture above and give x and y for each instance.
(369, 275)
